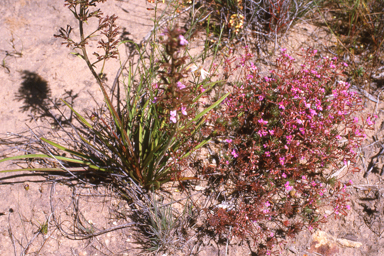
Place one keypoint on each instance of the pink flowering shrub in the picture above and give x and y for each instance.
(285, 135)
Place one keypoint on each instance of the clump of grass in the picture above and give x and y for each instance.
(267, 19)
(166, 228)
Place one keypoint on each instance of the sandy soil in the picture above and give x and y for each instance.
(37, 70)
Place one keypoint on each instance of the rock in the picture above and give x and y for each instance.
(324, 244)
(348, 243)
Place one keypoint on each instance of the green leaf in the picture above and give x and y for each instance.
(82, 119)
(197, 147)
(210, 107)
(60, 158)
(210, 86)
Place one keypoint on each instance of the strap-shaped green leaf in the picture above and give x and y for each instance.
(82, 119)
(210, 107)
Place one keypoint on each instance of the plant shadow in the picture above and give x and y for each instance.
(37, 99)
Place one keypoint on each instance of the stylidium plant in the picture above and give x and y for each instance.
(148, 136)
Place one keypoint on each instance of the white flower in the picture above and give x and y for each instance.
(195, 71)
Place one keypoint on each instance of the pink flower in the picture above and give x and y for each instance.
(234, 154)
(261, 97)
(281, 106)
(271, 132)
(267, 204)
(350, 182)
(173, 116)
(345, 64)
(180, 85)
(286, 185)
(284, 175)
(272, 234)
(228, 140)
(261, 121)
(303, 177)
(289, 139)
(281, 160)
(183, 41)
(348, 207)
(183, 110)
(267, 153)
(369, 122)
(356, 119)
(310, 227)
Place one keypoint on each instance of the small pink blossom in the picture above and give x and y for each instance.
(345, 64)
(271, 132)
(183, 41)
(183, 110)
(267, 153)
(284, 175)
(281, 160)
(348, 207)
(350, 182)
(228, 140)
(261, 121)
(234, 154)
(180, 85)
(303, 177)
(173, 116)
(272, 234)
(310, 227)
(287, 186)
(369, 122)
(267, 204)
(261, 97)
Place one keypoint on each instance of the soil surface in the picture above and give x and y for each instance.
(37, 70)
